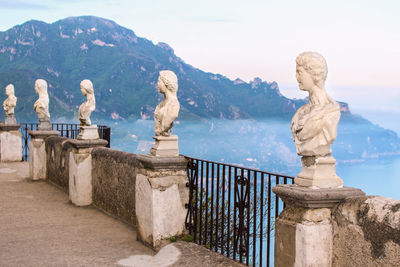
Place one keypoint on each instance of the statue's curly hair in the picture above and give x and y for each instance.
(170, 80)
(315, 64)
(88, 86)
(10, 87)
(42, 86)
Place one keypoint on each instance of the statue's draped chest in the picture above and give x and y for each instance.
(158, 113)
(302, 115)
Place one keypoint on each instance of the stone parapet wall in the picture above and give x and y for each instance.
(113, 180)
(57, 153)
(366, 232)
(113, 176)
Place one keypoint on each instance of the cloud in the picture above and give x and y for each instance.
(23, 5)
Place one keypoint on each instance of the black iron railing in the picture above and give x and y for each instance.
(70, 130)
(232, 209)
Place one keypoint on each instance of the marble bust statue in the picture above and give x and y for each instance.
(86, 108)
(314, 126)
(41, 106)
(167, 111)
(165, 114)
(9, 105)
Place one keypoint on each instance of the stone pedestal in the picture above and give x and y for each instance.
(318, 172)
(88, 133)
(44, 126)
(37, 153)
(303, 230)
(80, 170)
(10, 143)
(165, 146)
(161, 195)
(10, 119)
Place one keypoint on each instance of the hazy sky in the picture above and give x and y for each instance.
(359, 39)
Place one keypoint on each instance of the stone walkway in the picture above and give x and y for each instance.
(39, 227)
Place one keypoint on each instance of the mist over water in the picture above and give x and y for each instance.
(389, 119)
(367, 156)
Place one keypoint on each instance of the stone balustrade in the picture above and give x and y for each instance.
(148, 192)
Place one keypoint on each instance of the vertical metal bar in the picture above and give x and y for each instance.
(229, 239)
(248, 188)
(261, 216)
(223, 214)
(26, 142)
(235, 232)
(276, 198)
(196, 203)
(212, 206)
(107, 135)
(241, 217)
(201, 201)
(206, 222)
(285, 182)
(189, 215)
(217, 199)
(254, 217)
(269, 220)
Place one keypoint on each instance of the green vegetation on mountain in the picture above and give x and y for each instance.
(124, 70)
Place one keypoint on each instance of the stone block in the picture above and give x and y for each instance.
(10, 146)
(154, 163)
(88, 133)
(303, 237)
(318, 172)
(10, 119)
(165, 146)
(44, 126)
(37, 153)
(9, 127)
(80, 178)
(80, 170)
(37, 159)
(303, 230)
(315, 198)
(160, 208)
(366, 232)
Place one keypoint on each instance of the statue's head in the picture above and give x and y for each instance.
(10, 89)
(41, 87)
(167, 80)
(87, 87)
(314, 65)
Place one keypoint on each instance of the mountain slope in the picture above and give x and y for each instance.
(124, 70)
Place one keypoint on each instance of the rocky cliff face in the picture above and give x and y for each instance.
(124, 70)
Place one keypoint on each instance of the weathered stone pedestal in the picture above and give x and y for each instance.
(37, 153)
(10, 119)
(44, 126)
(318, 172)
(88, 133)
(161, 195)
(303, 230)
(165, 146)
(10, 143)
(80, 170)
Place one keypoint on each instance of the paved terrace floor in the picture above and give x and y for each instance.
(40, 227)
